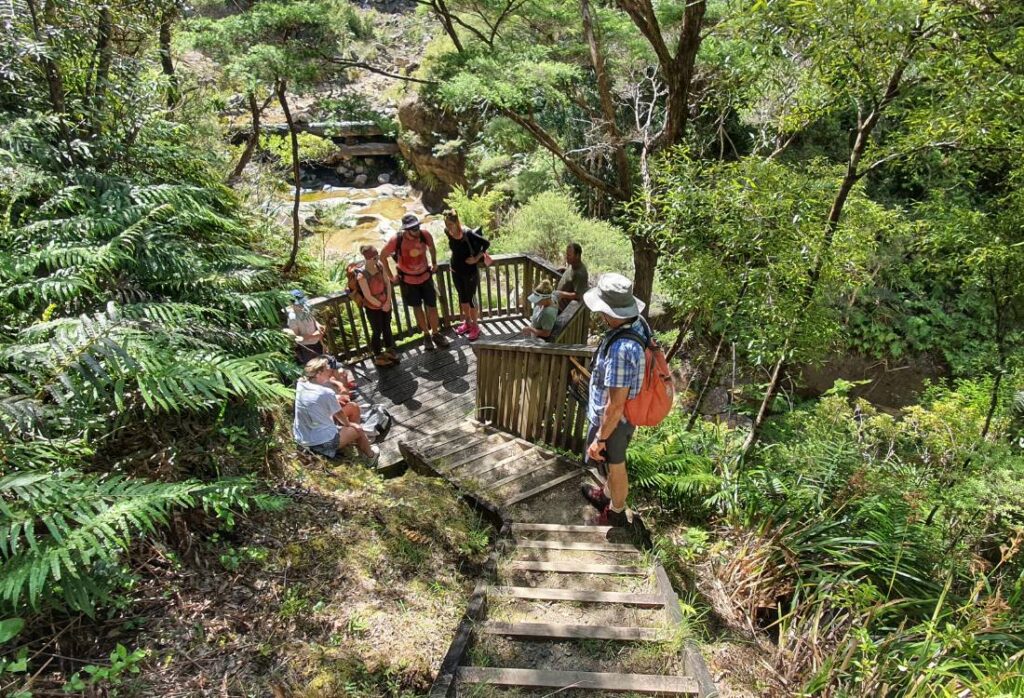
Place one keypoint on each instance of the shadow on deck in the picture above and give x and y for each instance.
(430, 391)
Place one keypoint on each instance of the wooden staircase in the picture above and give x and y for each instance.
(563, 606)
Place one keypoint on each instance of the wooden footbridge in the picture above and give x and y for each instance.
(562, 606)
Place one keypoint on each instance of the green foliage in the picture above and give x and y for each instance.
(550, 221)
(476, 210)
(121, 662)
(312, 149)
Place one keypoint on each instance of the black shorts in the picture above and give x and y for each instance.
(615, 447)
(415, 295)
(466, 287)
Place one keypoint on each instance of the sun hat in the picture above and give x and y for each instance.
(614, 295)
(541, 292)
(410, 220)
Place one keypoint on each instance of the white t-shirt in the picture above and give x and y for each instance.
(315, 407)
(303, 326)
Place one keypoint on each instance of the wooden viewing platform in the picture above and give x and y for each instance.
(486, 416)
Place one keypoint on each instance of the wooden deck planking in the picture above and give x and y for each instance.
(427, 393)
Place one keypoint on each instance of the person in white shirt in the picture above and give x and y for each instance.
(320, 423)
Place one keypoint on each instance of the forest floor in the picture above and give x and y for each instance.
(354, 588)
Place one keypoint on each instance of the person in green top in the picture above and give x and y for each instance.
(542, 322)
(575, 278)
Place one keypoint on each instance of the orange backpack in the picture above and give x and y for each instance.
(654, 401)
(352, 272)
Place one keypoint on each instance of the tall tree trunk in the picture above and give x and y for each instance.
(604, 91)
(98, 81)
(251, 142)
(166, 59)
(712, 372)
(645, 260)
(865, 126)
(442, 12)
(54, 80)
(992, 404)
(680, 77)
(296, 177)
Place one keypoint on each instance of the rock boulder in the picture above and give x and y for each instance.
(425, 129)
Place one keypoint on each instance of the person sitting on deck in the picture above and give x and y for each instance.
(409, 249)
(376, 292)
(542, 322)
(468, 248)
(309, 333)
(575, 278)
(320, 422)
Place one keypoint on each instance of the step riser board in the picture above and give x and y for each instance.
(582, 680)
(580, 596)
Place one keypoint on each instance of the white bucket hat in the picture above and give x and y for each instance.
(614, 295)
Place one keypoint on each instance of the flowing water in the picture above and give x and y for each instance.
(344, 218)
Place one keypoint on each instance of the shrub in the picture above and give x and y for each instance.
(551, 220)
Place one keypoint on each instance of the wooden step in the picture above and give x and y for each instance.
(466, 460)
(570, 545)
(523, 496)
(584, 680)
(505, 461)
(521, 474)
(581, 595)
(557, 528)
(561, 631)
(576, 568)
(458, 449)
(453, 435)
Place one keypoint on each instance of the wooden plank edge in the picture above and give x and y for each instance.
(566, 631)
(693, 660)
(559, 528)
(540, 489)
(579, 596)
(586, 680)
(583, 546)
(576, 568)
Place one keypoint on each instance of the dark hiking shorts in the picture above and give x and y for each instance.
(415, 295)
(615, 447)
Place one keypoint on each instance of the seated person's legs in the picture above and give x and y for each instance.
(354, 435)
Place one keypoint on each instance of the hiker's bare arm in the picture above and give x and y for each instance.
(613, 410)
(368, 297)
(433, 257)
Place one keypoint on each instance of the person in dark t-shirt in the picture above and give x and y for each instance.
(575, 278)
(468, 247)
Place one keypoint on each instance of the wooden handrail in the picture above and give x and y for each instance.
(504, 287)
(523, 387)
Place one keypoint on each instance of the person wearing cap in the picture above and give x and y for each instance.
(376, 291)
(542, 321)
(409, 250)
(616, 376)
(467, 247)
(308, 332)
(575, 278)
(321, 424)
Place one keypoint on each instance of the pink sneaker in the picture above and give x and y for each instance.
(473, 333)
(462, 329)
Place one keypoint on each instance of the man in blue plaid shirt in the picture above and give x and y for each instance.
(615, 377)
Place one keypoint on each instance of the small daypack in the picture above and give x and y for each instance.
(654, 400)
(352, 272)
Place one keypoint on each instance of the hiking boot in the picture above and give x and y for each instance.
(428, 342)
(393, 355)
(441, 341)
(383, 361)
(607, 517)
(474, 333)
(462, 329)
(596, 496)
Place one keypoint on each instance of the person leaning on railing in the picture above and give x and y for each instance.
(376, 291)
(321, 425)
(309, 333)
